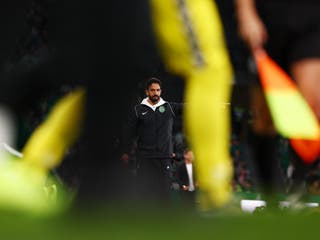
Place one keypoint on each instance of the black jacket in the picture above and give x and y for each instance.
(182, 175)
(152, 129)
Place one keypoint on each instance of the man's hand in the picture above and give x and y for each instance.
(185, 187)
(125, 158)
(250, 26)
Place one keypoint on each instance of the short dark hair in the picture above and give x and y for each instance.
(186, 150)
(153, 80)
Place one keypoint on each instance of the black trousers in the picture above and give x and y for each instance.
(154, 178)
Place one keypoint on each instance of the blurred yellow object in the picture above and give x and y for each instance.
(23, 182)
(191, 41)
(207, 126)
(48, 144)
(21, 188)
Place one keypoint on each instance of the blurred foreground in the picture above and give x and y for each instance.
(119, 222)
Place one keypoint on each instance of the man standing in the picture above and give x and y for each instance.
(150, 124)
(186, 178)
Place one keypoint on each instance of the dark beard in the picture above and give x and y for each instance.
(154, 99)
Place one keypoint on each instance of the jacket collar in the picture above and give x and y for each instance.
(153, 107)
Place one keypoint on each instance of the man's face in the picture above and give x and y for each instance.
(154, 92)
(188, 156)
